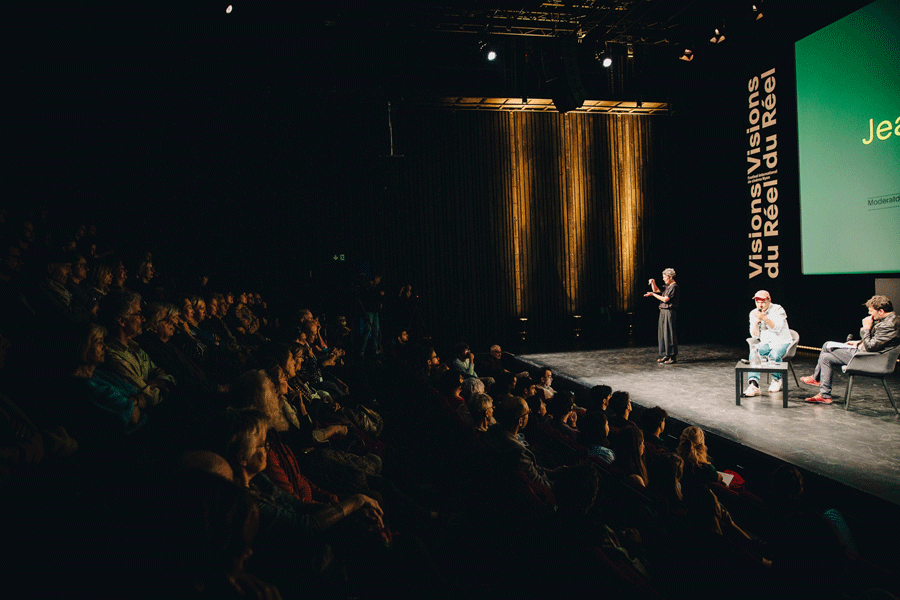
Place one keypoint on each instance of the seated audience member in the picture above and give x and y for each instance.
(492, 364)
(256, 389)
(293, 543)
(599, 397)
(481, 409)
(120, 402)
(653, 423)
(618, 411)
(880, 330)
(665, 471)
(200, 316)
(186, 336)
(565, 419)
(524, 388)
(155, 340)
(470, 387)
(510, 452)
(119, 275)
(209, 524)
(84, 299)
(463, 361)
(101, 279)
(52, 299)
(450, 387)
(698, 470)
(544, 386)
(217, 308)
(504, 384)
(628, 446)
(142, 285)
(593, 434)
(120, 313)
(428, 365)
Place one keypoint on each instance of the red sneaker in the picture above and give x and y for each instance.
(817, 399)
(810, 380)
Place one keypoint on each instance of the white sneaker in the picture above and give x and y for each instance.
(775, 386)
(752, 389)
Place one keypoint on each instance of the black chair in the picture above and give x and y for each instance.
(872, 364)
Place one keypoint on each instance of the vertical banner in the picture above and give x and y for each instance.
(763, 236)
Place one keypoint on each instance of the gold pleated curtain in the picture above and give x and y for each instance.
(526, 215)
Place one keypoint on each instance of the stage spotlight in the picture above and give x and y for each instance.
(604, 58)
(491, 55)
(687, 55)
(228, 9)
(718, 35)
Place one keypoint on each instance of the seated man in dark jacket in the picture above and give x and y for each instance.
(880, 330)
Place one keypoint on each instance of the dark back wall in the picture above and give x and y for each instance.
(263, 160)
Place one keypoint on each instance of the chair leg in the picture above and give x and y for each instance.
(847, 395)
(891, 398)
(791, 366)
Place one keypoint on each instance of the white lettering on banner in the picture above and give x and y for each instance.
(762, 151)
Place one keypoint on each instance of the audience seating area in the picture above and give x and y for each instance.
(164, 437)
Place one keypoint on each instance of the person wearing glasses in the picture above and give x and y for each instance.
(509, 447)
(121, 314)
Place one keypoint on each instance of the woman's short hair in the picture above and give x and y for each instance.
(669, 273)
(477, 405)
(471, 387)
(157, 312)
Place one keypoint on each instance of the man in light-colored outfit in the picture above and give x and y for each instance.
(768, 322)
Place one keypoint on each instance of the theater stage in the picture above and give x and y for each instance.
(859, 447)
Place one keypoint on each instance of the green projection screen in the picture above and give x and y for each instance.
(848, 113)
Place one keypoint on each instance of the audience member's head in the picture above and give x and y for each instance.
(512, 414)
(470, 387)
(450, 383)
(120, 312)
(653, 421)
(537, 406)
(481, 408)
(525, 387)
(504, 383)
(692, 447)
(628, 445)
(161, 320)
(599, 397)
(593, 429)
(234, 435)
(619, 405)
(256, 389)
(561, 405)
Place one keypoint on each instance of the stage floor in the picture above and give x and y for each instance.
(859, 447)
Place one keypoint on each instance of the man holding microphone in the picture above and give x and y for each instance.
(768, 322)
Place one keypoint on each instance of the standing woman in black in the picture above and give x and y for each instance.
(668, 308)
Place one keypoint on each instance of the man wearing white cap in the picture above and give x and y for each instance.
(768, 322)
